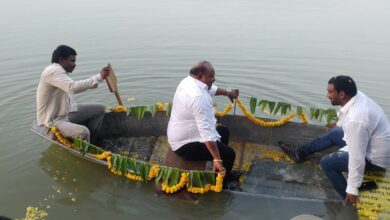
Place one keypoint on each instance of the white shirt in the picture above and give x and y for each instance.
(53, 93)
(367, 135)
(192, 116)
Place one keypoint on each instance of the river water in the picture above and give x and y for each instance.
(272, 49)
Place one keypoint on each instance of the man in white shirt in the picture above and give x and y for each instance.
(55, 106)
(192, 131)
(362, 133)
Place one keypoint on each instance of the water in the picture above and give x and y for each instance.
(276, 50)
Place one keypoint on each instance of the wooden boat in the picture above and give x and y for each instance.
(267, 171)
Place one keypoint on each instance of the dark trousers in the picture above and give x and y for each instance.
(195, 151)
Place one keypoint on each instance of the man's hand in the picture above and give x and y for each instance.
(233, 94)
(218, 167)
(351, 198)
(105, 72)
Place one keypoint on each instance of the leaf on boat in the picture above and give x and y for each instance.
(263, 104)
(299, 110)
(132, 164)
(153, 109)
(278, 106)
(163, 170)
(167, 174)
(169, 109)
(253, 104)
(114, 158)
(174, 177)
(285, 108)
(142, 171)
(198, 179)
(271, 106)
(210, 178)
(191, 179)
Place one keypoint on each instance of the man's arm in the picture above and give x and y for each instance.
(202, 112)
(357, 140)
(217, 162)
(232, 94)
(67, 84)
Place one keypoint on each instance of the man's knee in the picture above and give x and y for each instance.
(231, 154)
(83, 133)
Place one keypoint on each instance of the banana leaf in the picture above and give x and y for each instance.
(299, 110)
(167, 175)
(198, 179)
(278, 106)
(263, 104)
(153, 109)
(253, 104)
(132, 164)
(271, 106)
(163, 171)
(174, 177)
(169, 109)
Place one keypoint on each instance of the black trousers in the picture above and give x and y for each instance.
(195, 151)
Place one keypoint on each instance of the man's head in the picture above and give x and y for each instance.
(204, 72)
(341, 89)
(65, 56)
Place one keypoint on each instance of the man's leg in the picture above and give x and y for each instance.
(90, 115)
(333, 138)
(70, 130)
(332, 165)
(198, 151)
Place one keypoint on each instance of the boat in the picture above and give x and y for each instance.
(267, 171)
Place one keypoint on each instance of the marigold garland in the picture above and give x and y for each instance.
(227, 109)
(172, 189)
(119, 108)
(153, 172)
(263, 123)
(160, 106)
(61, 138)
(216, 188)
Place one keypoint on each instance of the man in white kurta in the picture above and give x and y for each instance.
(192, 131)
(55, 106)
(362, 134)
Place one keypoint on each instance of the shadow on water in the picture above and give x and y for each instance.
(89, 190)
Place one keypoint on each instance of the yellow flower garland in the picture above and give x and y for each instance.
(216, 188)
(160, 106)
(172, 189)
(153, 172)
(263, 123)
(119, 108)
(227, 109)
(61, 138)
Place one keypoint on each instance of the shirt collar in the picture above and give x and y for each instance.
(347, 106)
(200, 84)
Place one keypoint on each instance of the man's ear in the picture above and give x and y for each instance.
(342, 94)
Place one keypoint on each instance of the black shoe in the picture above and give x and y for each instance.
(290, 151)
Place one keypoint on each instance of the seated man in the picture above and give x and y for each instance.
(363, 134)
(55, 106)
(192, 131)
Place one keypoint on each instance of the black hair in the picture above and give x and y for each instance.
(344, 83)
(62, 51)
(198, 70)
